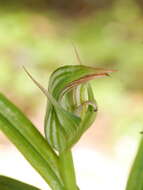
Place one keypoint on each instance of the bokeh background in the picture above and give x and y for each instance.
(107, 33)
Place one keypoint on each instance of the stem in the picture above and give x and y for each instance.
(67, 170)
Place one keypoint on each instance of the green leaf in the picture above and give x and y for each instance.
(7, 183)
(30, 142)
(135, 180)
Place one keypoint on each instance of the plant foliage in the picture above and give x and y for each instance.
(71, 110)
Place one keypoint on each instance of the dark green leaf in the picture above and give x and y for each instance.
(7, 183)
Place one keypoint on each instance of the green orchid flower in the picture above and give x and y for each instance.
(71, 110)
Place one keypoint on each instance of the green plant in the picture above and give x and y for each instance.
(71, 109)
(135, 180)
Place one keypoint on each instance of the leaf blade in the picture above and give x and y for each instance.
(135, 179)
(29, 141)
(30, 153)
(7, 183)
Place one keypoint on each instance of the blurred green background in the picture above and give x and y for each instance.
(107, 33)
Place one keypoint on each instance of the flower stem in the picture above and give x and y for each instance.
(67, 170)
